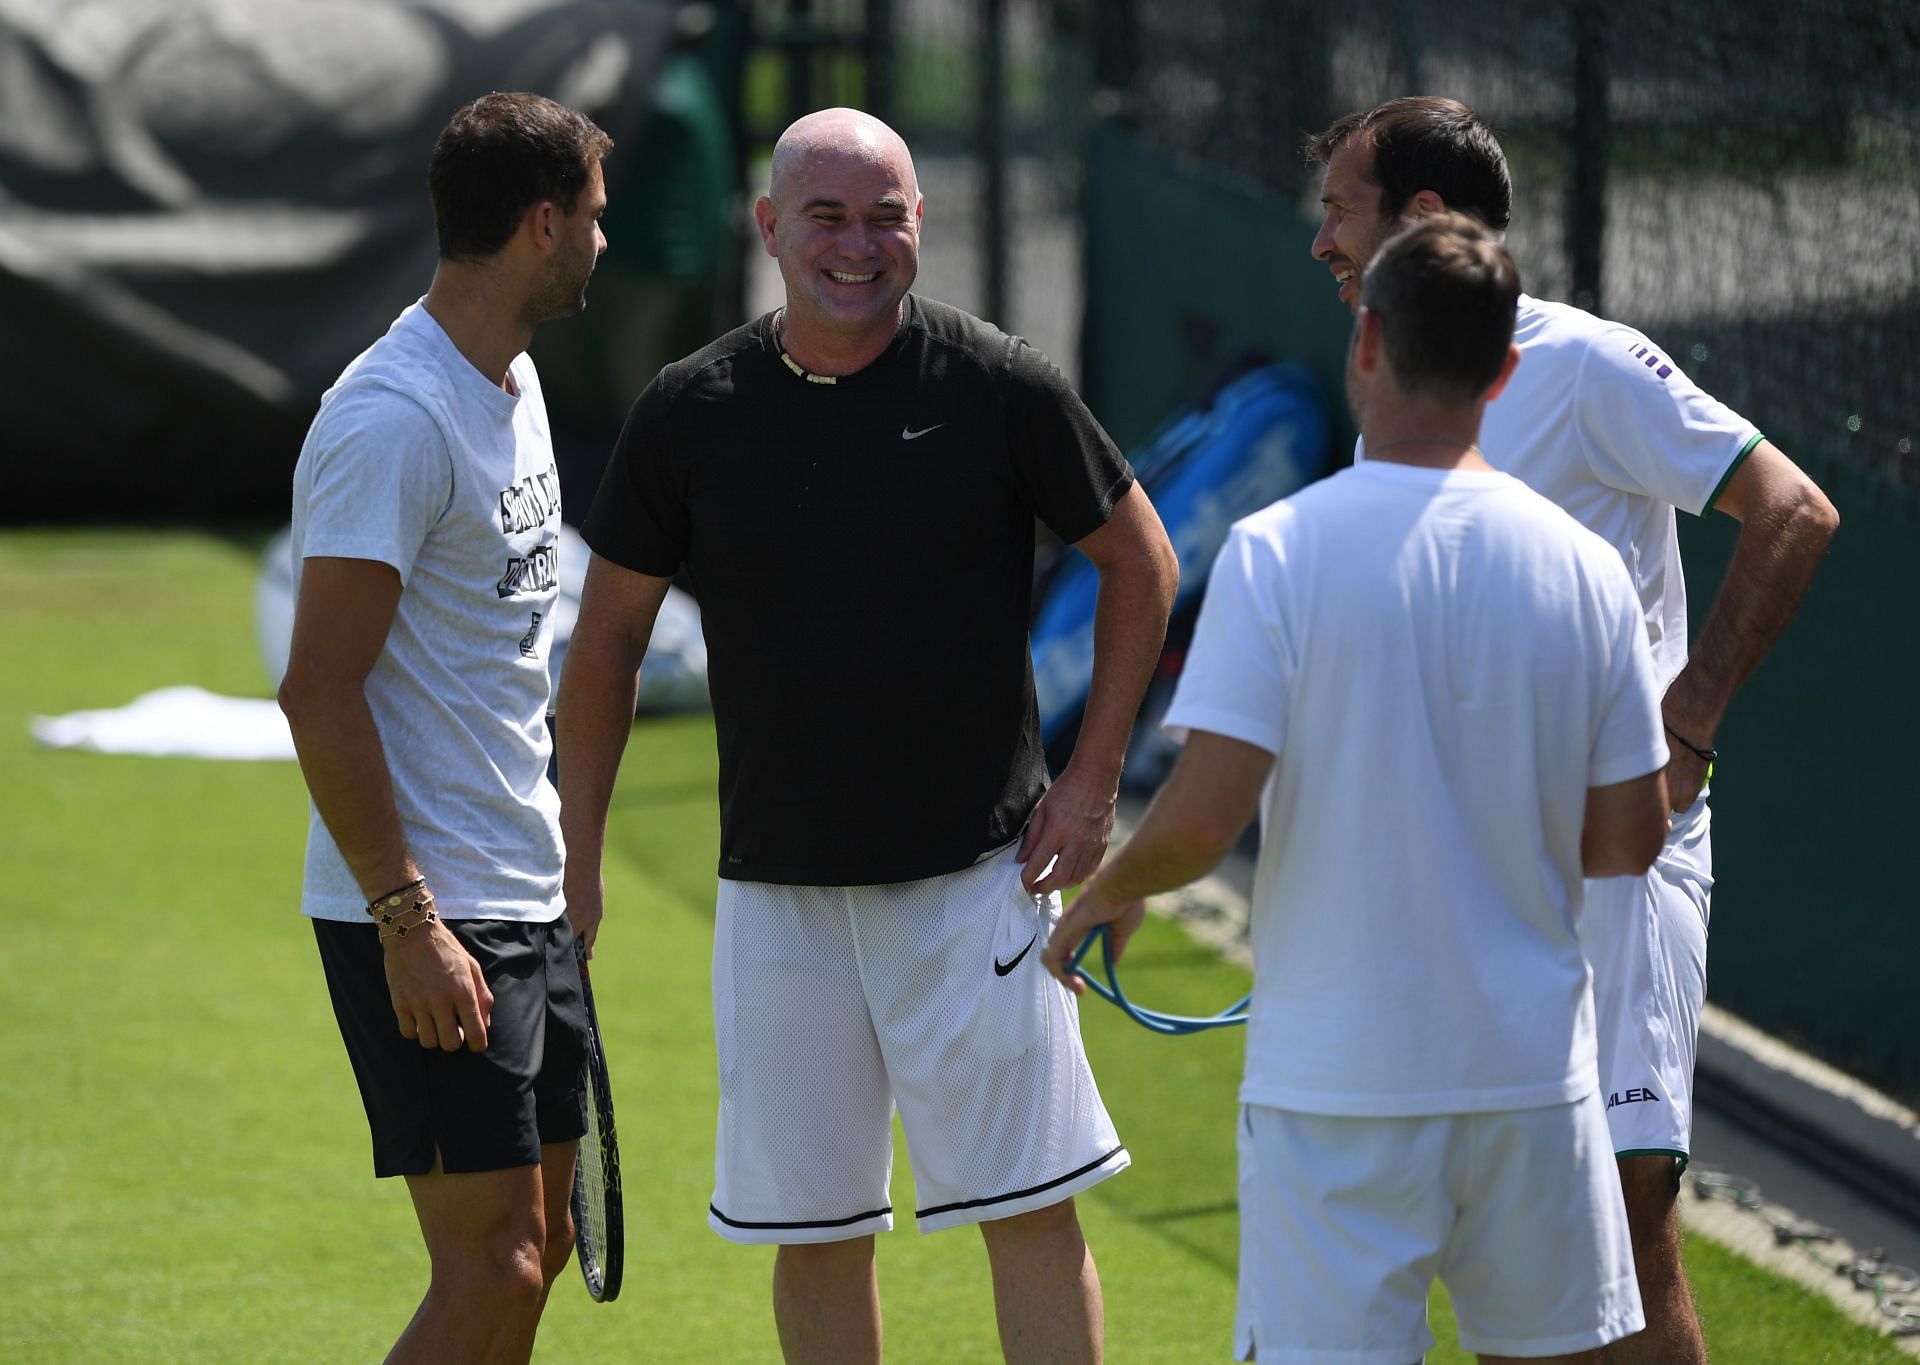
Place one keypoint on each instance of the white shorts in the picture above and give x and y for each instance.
(1646, 938)
(834, 1004)
(1345, 1222)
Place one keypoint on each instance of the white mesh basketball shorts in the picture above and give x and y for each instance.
(1345, 1223)
(1646, 938)
(832, 1005)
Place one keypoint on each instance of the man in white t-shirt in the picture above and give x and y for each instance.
(1603, 422)
(1435, 687)
(426, 519)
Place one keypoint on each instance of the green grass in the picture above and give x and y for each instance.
(183, 1165)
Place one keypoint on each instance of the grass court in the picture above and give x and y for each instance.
(184, 1173)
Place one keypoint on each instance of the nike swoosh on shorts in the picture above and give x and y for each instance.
(1002, 968)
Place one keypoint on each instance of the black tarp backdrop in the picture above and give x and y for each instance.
(208, 208)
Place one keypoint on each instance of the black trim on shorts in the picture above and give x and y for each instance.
(1093, 1165)
(821, 1223)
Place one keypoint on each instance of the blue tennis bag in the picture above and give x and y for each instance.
(1260, 437)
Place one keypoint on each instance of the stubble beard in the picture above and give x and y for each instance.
(557, 298)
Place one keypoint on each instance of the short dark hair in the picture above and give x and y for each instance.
(1425, 142)
(1444, 291)
(500, 156)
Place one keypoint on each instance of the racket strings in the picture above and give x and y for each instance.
(593, 1176)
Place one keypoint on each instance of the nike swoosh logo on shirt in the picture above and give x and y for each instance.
(909, 435)
(1002, 968)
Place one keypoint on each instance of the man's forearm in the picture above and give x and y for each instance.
(1193, 820)
(1159, 856)
(592, 720)
(1129, 628)
(1780, 546)
(346, 773)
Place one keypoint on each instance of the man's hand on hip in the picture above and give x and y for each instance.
(1069, 830)
(439, 994)
(1686, 775)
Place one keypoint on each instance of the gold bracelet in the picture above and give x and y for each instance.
(396, 924)
(388, 912)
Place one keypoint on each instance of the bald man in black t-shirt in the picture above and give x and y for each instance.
(851, 483)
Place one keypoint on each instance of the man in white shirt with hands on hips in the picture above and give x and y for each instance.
(426, 520)
(1602, 422)
(1436, 688)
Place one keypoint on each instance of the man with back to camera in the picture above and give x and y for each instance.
(851, 483)
(426, 513)
(1435, 687)
(1606, 425)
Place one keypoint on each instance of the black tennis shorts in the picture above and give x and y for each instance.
(481, 1111)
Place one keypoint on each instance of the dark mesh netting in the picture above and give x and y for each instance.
(1741, 182)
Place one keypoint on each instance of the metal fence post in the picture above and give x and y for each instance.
(1586, 216)
(879, 54)
(993, 158)
(799, 60)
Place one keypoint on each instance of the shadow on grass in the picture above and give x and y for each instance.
(1181, 1228)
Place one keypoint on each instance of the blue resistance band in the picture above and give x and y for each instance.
(1155, 1020)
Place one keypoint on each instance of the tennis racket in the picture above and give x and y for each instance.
(1156, 1020)
(599, 1225)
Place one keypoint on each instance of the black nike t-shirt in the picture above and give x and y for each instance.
(862, 553)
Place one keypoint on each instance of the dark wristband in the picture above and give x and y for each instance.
(390, 899)
(1704, 755)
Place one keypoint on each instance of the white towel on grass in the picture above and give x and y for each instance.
(179, 722)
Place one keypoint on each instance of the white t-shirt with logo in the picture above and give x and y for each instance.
(1443, 664)
(418, 461)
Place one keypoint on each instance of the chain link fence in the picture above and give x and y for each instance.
(1743, 183)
